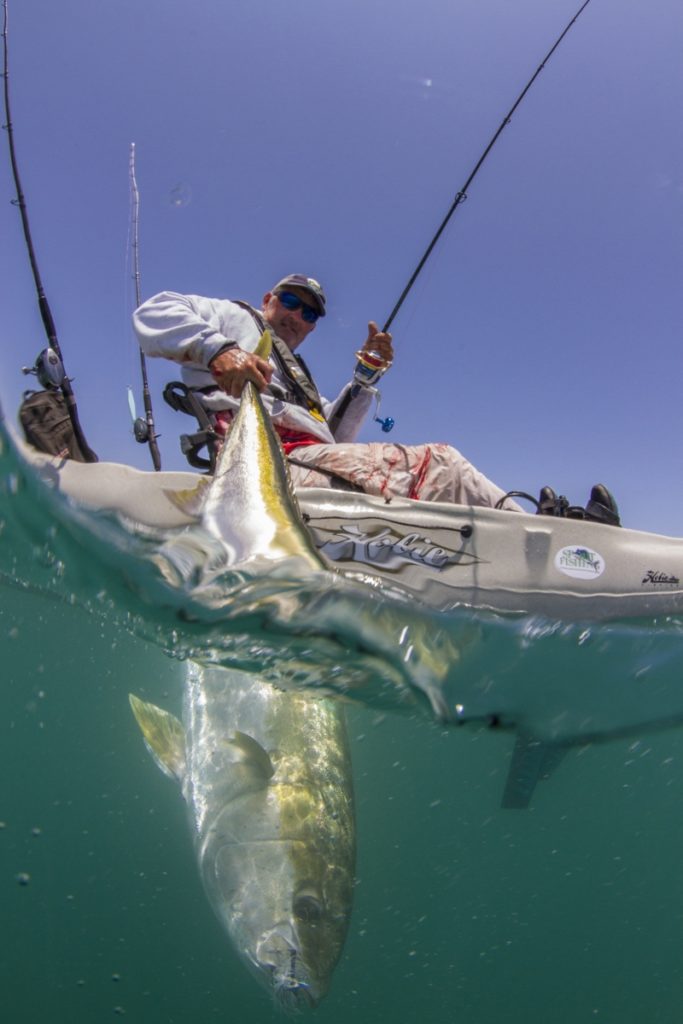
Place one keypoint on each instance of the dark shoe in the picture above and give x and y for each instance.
(602, 508)
(550, 505)
(547, 502)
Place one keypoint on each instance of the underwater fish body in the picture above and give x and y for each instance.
(266, 777)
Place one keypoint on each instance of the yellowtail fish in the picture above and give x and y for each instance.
(249, 504)
(266, 776)
(247, 515)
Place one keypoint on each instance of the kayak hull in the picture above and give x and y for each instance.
(443, 555)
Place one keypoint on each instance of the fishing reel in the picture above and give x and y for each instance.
(370, 366)
(49, 370)
(141, 428)
(141, 431)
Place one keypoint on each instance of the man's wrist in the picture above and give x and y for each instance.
(224, 348)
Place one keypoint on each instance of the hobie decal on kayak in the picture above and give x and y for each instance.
(580, 563)
(385, 548)
(660, 579)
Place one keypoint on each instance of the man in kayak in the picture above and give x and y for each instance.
(214, 341)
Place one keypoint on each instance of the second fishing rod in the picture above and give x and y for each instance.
(370, 367)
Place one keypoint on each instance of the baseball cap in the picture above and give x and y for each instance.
(309, 284)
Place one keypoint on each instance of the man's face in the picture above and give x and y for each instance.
(288, 324)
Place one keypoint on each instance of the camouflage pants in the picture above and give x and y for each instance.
(428, 472)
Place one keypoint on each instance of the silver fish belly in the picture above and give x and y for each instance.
(247, 516)
(267, 780)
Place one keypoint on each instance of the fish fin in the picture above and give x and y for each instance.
(164, 736)
(532, 761)
(253, 753)
(264, 346)
(191, 499)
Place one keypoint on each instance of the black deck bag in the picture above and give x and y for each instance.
(46, 424)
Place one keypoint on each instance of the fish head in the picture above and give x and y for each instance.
(289, 932)
(278, 958)
(302, 950)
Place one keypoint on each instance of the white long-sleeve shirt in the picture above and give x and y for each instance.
(191, 330)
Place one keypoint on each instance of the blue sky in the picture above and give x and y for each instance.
(329, 138)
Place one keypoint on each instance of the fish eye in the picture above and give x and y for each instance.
(307, 908)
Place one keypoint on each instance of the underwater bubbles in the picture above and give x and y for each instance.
(180, 194)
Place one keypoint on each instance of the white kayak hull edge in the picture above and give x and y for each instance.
(444, 555)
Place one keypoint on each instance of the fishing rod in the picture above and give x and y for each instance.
(370, 365)
(143, 429)
(461, 195)
(49, 366)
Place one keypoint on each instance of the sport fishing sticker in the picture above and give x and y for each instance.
(580, 563)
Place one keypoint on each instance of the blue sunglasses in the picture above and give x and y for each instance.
(292, 302)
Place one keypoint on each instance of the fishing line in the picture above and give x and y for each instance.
(377, 364)
(50, 362)
(461, 195)
(143, 429)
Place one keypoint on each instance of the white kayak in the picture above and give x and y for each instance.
(444, 555)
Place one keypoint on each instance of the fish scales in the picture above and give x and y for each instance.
(251, 476)
(266, 776)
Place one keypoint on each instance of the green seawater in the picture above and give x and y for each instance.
(568, 911)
